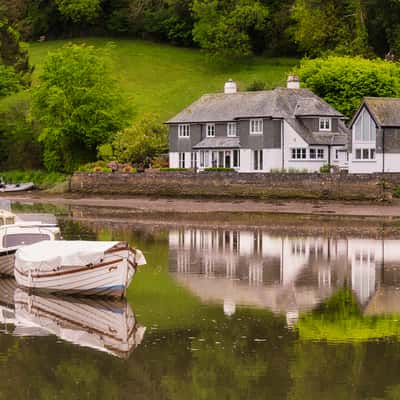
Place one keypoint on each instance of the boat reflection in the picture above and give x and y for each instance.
(286, 274)
(101, 324)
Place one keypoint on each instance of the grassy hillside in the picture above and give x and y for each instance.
(164, 79)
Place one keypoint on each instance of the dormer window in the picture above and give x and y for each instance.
(210, 129)
(325, 124)
(256, 126)
(184, 130)
(231, 129)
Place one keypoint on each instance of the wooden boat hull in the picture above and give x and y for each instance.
(111, 277)
(7, 261)
(103, 325)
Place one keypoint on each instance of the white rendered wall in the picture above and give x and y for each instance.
(174, 160)
(365, 166)
(392, 162)
(272, 159)
(246, 160)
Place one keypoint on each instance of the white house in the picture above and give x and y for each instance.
(286, 128)
(375, 136)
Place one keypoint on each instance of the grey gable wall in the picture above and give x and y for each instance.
(391, 140)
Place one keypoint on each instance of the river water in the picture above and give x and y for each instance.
(218, 313)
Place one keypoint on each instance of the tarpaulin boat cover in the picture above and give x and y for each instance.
(49, 255)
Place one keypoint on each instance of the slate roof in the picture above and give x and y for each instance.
(277, 103)
(384, 110)
(218, 143)
(320, 138)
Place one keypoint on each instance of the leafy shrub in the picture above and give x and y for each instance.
(9, 81)
(397, 191)
(97, 166)
(219, 169)
(145, 139)
(173, 169)
(161, 161)
(344, 81)
(256, 85)
(325, 169)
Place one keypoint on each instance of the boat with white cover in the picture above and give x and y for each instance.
(15, 233)
(101, 324)
(78, 267)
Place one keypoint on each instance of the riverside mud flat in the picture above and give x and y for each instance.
(294, 217)
(176, 205)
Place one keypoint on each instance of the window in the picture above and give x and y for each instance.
(325, 124)
(202, 159)
(184, 130)
(210, 128)
(236, 158)
(258, 160)
(256, 126)
(364, 129)
(313, 154)
(214, 159)
(337, 154)
(181, 160)
(231, 129)
(299, 153)
(320, 154)
(194, 160)
(20, 239)
(365, 154)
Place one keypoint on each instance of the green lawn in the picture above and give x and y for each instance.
(164, 79)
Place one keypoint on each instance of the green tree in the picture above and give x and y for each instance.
(13, 52)
(344, 81)
(336, 25)
(9, 81)
(144, 140)
(224, 29)
(79, 10)
(79, 104)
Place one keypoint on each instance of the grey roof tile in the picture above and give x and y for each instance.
(218, 143)
(385, 110)
(277, 103)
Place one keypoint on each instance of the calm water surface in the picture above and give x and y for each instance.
(216, 314)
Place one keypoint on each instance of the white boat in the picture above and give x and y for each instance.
(16, 187)
(78, 267)
(16, 233)
(104, 325)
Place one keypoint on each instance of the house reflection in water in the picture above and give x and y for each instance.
(285, 274)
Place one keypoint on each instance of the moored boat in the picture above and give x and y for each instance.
(14, 235)
(78, 267)
(16, 187)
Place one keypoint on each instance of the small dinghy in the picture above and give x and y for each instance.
(78, 267)
(16, 187)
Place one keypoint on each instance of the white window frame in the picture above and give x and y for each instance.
(325, 124)
(365, 153)
(256, 126)
(258, 160)
(231, 129)
(182, 160)
(210, 130)
(298, 153)
(183, 130)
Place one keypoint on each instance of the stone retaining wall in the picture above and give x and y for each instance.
(239, 185)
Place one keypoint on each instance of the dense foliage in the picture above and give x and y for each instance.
(138, 144)
(223, 27)
(79, 105)
(344, 81)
